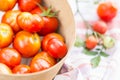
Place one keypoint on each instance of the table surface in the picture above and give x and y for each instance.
(77, 65)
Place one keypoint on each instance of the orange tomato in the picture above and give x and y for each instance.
(6, 35)
(28, 44)
(41, 61)
(7, 4)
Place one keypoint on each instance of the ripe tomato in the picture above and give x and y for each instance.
(28, 44)
(56, 48)
(28, 5)
(21, 69)
(7, 4)
(41, 62)
(49, 36)
(6, 35)
(29, 22)
(91, 42)
(51, 23)
(10, 18)
(10, 57)
(100, 27)
(4, 69)
(106, 11)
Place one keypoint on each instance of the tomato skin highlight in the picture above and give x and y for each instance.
(106, 11)
(91, 42)
(42, 61)
(10, 57)
(30, 22)
(100, 27)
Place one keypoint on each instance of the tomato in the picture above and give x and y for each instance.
(4, 69)
(30, 22)
(51, 22)
(7, 4)
(50, 25)
(36, 10)
(21, 69)
(41, 62)
(10, 18)
(28, 44)
(56, 48)
(100, 27)
(106, 11)
(10, 57)
(6, 35)
(91, 42)
(49, 36)
(28, 5)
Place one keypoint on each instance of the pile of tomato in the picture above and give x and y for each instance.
(29, 32)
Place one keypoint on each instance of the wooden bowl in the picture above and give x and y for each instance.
(67, 29)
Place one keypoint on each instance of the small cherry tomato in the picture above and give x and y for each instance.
(10, 57)
(7, 4)
(28, 5)
(6, 35)
(56, 48)
(28, 44)
(30, 22)
(41, 62)
(4, 69)
(106, 11)
(91, 42)
(10, 18)
(100, 27)
(21, 69)
(49, 36)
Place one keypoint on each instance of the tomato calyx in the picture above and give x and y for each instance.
(47, 12)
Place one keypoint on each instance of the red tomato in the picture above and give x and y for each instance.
(21, 69)
(49, 36)
(6, 35)
(28, 5)
(100, 27)
(106, 11)
(10, 57)
(37, 10)
(28, 44)
(10, 18)
(41, 62)
(29, 22)
(7, 4)
(4, 69)
(91, 42)
(56, 48)
(51, 23)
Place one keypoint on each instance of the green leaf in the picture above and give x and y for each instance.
(95, 61)
(79, 42)
(88, 52)
(104, 54)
